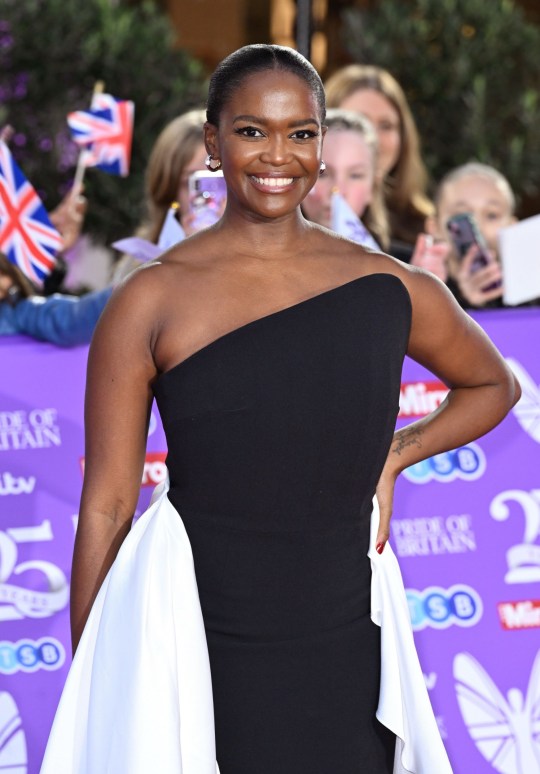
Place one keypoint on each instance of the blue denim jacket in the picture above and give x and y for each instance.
(63, 320)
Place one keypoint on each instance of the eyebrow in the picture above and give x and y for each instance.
(490, 202)
(290, 125)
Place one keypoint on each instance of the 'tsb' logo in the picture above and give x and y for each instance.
(467, 463)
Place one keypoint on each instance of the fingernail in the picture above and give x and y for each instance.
(379, 548)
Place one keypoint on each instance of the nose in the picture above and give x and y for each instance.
(276, 151)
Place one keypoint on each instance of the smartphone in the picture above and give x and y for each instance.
(207, 196)
(465, 233)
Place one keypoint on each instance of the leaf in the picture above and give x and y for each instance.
(470, 70)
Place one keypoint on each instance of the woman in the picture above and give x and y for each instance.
(375, 93)
(177, 153)
(274, 349)
(350, 155)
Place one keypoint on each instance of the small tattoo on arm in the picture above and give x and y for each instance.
(407, 437)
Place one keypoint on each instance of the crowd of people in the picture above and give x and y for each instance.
(372, 153)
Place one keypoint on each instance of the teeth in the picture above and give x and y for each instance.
(274, 182)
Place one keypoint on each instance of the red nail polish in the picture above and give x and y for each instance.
(379, 548)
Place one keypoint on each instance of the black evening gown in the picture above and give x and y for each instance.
(277, 433)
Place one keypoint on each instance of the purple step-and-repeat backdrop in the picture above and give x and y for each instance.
(466, 530)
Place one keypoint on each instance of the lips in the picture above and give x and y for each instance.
(272, 184)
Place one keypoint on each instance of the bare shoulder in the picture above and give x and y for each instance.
(442, 336)
(148, 291)
(358, 259)
(138, 309)
(149, 309)
(425, 290)
(436, 317)
(135, 302)
(431, 301)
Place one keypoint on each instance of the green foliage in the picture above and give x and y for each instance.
(471, 70)
(51, 54)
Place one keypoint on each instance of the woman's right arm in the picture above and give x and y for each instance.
(121, 370)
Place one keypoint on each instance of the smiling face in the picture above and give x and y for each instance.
(385, 118)
(349, 171)
(269, 142)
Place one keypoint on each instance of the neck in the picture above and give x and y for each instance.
(266, 239)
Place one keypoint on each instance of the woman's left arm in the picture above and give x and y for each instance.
(451, 345)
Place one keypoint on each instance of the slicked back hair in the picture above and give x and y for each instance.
(260, 57)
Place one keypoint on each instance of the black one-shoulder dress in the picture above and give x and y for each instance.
(277, 434)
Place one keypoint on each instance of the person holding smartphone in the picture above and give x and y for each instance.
(484, 194)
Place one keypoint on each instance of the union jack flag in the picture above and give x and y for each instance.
(27, 236)
(104, 133)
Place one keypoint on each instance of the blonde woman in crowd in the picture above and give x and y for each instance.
(376, 94)
(350, 155)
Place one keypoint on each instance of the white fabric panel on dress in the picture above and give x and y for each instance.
(138, 697)
(404, 705)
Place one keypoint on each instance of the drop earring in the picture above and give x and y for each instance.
(208, 163)
(322, 168)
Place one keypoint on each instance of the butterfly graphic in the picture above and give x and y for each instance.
(527, 409)
(13, 758)
(505, 731)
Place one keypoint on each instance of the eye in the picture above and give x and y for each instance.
(387, 126)
(248, 131)
(304, 134)
(494, 216)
